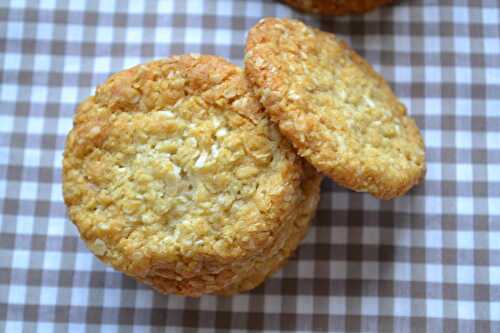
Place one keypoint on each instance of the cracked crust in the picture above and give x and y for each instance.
(336, 110)
(336, 7)
(174, 175)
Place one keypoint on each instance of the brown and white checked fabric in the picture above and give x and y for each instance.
(429, 261)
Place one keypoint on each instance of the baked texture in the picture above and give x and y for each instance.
(299, 227)
(174, 175)
(336, 110)
(336, 7)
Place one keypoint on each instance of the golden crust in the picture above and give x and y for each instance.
(304, 214)
(336, 7)
(336, 110)
(174, 175)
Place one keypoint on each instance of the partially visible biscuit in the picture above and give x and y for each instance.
(175, 176)
(336, 110)
(336, 7)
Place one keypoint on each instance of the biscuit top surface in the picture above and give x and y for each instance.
(176, 158)
(337, 111)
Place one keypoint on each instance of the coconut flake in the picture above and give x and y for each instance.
(201, 160)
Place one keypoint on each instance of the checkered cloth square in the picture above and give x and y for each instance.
(429, 261)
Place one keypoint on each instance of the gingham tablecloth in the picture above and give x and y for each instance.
(429, 261)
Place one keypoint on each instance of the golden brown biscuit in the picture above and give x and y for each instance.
(174, 175)
(336, 110)
(336, 7)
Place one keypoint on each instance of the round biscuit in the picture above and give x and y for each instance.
(337, 111)
(173, 173)
(336, 7)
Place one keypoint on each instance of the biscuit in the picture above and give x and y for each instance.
(174, 175)
(337, 111)
(336, 7)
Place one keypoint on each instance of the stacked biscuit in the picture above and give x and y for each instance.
(195, 177)
(336, 7)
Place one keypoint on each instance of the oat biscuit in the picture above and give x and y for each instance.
(336, 110)
(336, 7)
(174, 175)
